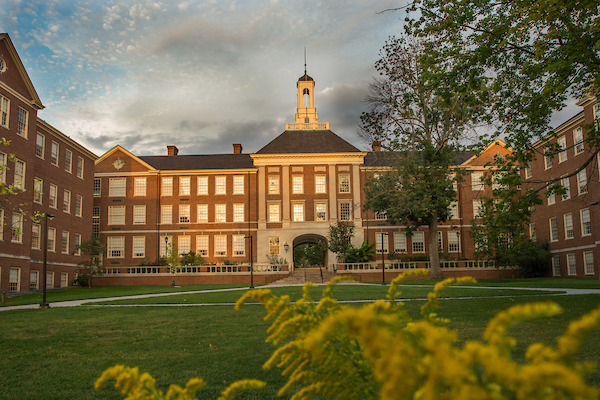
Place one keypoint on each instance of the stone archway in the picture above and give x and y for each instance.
(301, 243)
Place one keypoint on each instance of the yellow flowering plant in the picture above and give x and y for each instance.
(377, 351)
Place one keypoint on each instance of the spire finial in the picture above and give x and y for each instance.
(304, 60)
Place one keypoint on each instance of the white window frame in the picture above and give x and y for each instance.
(184, 244)
(34, 280)
(274, 210)
(20, 167)
(571, 264)
(66, 201)
(239, 213)
(51, 239)
(54, 152)
(553, 223)
(239, 245)
(163, 245)
(399, 242)
(378, 242)
(578, 140)
(202, 245)
(321, 211)
(53, 196)
(139, 186)
(273, 184)
(14, 280)
(220, 185)
(202, 185)
(320, 184)
(582, 186)
(40, 150)
(238, 184)
(528, 172)
(36, 236)
(115, 247)
(139, 214)
(274, 245)
(567, 186)
(588, 263)
(4, 111)
(116, 215)
(344, 183)
(97, 187)
(220, 245)
(298, 214)
(166, 214)
(80, 167)
(562, 144)
(17, 228)
(64, 279)
(38, 190)
(453, 210)
(22, 122)
(477, 181)
(454, 242)
(202, 213)
(185, 185)
(345, 210)
(166, 187)
(297, 184)
(78, 205)
(64, 244)
(184, 214)
(418, 241)
(117, 187)
(220, 212)
(68, 160)
(77, 242)
(548, 160)
(586, 222)
(532, 231)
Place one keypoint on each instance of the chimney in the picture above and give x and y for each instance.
(172, 150)
(376, 146)
(237, 148)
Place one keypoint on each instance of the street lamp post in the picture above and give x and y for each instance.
(44, 304)
(383, 234)
(251, 263)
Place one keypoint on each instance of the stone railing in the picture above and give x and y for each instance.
(196, 269)
(320, 126)
(406, 265)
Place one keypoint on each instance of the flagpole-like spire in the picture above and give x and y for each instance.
(304, 60)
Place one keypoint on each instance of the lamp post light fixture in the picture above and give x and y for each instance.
(44, 304)
(383, 234)
(251, 262)
(286, 247)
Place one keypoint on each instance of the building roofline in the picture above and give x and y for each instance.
(66, 138)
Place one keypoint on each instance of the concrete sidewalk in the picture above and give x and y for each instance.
(75, 303)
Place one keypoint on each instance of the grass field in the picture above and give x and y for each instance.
(59, 353)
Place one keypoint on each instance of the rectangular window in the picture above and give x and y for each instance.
(400, 242)
(562, 143)
(49, 280)
(418, 242)
(139, 187)
(202, 210)
(184, 244)
(97, 187)
(453, 241)
(22, 118)
(167, 186)
(68, 160)
(184, 214)
(166, 214)
(116, 215)
(320, 184)
(571, 264)
(77, 243)
(582, 182)
(64, 279)
(185, 186)
(17, 228)
(274, 245)
(320, 211)
(453, 210)
(67, 201)
(220, 185)
(345, 211)
(566, 185)
(116, 247)
(274, 213)
(477, 209)
(586, 224)
(79, 167)
(163, 244)
(38, 190)
(78, 205)
(477, 180)
(298, 212)
(96, 221)
(54, 154)
(40, 145)
(238, 213)
(202, 245)
(4, 111)
(532, 231)
(273, 184)
(528, 174)
(36, 239)
(297, 184)
(588, 262)
(53, 196)
(51, 239)
(19, 174)
(344, 183)
(14, 280)
(381, 242)
(220, 245)
(551, 198)
(578, 140)
(139, 215)
(440, 241)
(64, 248)
(553, 229)
(239, 245)
(117, 187)
(548, 159)
(220, 213)
(202, 185)
(238, 184)
(34, 281)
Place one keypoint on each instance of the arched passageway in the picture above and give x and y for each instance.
(310, 250)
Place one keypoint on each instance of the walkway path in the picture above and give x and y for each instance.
(75, 303)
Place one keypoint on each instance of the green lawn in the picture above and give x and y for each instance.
(59, 353)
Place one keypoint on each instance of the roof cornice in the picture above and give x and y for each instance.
(56, 132)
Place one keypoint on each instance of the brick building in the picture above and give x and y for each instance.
(566, 221)
(52, 174)
(286, 194)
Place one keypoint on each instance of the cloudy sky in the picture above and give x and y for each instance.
(198, 74)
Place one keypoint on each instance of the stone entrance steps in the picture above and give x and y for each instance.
(302, 275)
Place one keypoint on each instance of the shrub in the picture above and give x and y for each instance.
(533, 258)
(82, 280)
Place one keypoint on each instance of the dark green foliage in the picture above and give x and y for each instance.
(339, 238)
(534, 259)
(363, 253)
(92, 248)
(82, 280)
(192, 258)
(309, 254)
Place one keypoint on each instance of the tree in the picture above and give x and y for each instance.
(172, 257)
(339, 238)
(535, 54)
(421, 110)
(92, 248)
(309, 254)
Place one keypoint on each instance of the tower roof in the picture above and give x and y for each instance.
(305, 78)
(307, 141)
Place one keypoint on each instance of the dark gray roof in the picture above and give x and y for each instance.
(314, 141)
(212, 161)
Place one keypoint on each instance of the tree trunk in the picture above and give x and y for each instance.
(434, 254)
